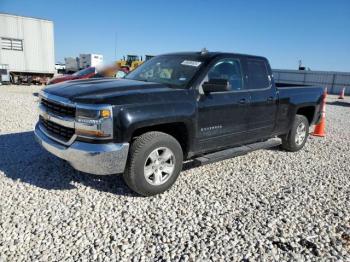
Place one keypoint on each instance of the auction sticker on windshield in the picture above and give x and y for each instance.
(191, 63)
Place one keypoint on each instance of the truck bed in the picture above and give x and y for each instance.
(292, 97)
(300, 94)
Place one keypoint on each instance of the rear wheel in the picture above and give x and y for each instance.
(155, 161)
(298, 134)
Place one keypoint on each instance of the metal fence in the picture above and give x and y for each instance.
(334, 81)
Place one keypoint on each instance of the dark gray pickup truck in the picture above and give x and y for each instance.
(200, 106)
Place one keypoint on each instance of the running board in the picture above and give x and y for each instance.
(236, 151)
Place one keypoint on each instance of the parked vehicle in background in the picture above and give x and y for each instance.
(90, 60)
(60, 68)
(110, 71)
(82, 74)
(72, 65)
(200, 106)
(129, 63)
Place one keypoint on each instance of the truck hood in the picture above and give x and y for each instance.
(104, 90)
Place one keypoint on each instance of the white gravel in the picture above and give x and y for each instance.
(269, 205)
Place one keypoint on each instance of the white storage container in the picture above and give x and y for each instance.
(27, 44)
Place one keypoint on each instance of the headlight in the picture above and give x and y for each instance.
(93, 113)
(94, 122)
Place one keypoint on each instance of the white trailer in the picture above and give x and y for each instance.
(27, 47)
(87, 60)
(72, 64)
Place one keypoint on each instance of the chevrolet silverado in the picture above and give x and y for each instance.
(197, 106)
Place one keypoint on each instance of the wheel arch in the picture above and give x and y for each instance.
(179, 130)
(308, 111)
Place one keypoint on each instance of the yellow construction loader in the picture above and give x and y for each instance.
(129, 63)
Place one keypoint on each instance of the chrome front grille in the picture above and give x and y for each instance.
(57, 119)
(57, 131)
(57, 108)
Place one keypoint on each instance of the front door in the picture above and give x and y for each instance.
(222, 116)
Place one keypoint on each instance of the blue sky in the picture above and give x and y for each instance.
(318, 32)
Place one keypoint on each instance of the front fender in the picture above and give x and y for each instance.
(131, 118)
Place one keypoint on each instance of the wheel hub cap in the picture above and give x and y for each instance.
(300, 134)
(159, 166)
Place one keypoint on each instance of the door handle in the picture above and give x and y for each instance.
(270, 99)
(242, 101)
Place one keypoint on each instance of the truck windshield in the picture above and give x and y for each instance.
(172, 70)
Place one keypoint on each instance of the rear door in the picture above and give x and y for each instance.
(222, 116)
(263, 98)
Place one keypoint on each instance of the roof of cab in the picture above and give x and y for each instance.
(211, 55)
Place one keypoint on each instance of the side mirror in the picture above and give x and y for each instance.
(216, 85)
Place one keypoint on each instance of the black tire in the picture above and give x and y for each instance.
(289, 142)
(140, 150)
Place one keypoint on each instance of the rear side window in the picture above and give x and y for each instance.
(257, 74)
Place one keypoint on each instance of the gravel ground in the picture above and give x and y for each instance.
(268, 205)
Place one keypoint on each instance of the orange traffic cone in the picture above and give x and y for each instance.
(342, 94)
(321, 126)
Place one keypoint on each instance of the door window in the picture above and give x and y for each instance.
(258, 76)
(227, 69)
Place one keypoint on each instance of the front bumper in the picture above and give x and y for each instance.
(98, 159)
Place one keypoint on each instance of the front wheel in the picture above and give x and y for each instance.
(155, 161)
(298, 134)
